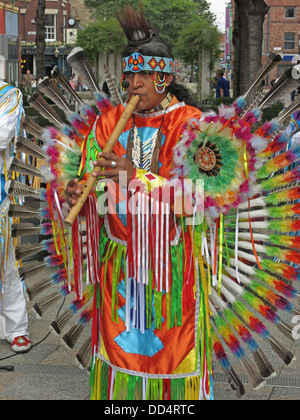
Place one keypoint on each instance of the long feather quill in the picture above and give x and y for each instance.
(286, 84)
(43, 305)
(15, 188)
(285, 115)
(24, 212)
(78, 60)
(115, 95)
(29, 147)
(27, 250)
(44, 108)
(59, 323)
(65, 84)
(17, 165)
(30, 270)
(24, 229)
(38, 288)
(84, 354)
(273, 60)
(50, 88)
(32, 128)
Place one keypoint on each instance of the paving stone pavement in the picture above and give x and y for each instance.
(49, 370)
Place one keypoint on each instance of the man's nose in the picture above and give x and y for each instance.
(136, 81)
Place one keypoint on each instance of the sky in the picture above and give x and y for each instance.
(218, 8)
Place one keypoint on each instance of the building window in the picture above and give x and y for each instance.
(50, 27)
(289, 41)
(290, 12)
(12, 44)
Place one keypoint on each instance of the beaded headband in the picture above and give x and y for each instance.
(137, 62)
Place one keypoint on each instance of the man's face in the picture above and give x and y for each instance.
(142, 84)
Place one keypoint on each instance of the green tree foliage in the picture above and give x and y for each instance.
(101, 37)
(199, 35)
(169, 17)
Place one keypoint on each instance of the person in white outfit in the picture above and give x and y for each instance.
(13, 312)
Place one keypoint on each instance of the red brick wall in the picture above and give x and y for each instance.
(26, 18)
(276, 25)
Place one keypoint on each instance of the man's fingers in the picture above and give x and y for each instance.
(103, 164)
(108, 156)
(105, 174)
(73, 182)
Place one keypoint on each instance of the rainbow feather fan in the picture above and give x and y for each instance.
(251, 225)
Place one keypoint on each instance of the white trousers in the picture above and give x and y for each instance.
(13, 303)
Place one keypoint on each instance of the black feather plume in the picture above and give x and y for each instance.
(135, 25)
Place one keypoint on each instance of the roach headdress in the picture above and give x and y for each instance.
(136, 27)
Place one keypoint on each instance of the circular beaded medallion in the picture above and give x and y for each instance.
(206, 158)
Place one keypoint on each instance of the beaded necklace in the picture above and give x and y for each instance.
(144, 155)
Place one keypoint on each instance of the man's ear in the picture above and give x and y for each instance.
(169, 79)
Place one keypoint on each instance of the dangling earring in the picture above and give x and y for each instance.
(163, 83)
(121, 84)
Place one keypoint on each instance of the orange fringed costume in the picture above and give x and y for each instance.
(148, 307)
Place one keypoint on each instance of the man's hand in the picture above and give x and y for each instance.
(111, 166)
(73, 192)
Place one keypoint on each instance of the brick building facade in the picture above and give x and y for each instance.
(58, 34)
(281, 32)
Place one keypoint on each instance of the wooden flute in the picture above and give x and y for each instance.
(132, 104)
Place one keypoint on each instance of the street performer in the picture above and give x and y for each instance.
(147, 302)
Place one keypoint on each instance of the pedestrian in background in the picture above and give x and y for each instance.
(222, 89)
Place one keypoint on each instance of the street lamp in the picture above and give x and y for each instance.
(56, 53)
